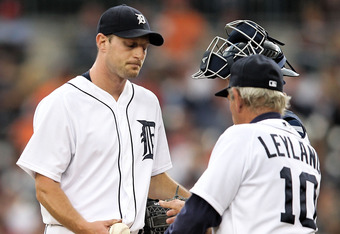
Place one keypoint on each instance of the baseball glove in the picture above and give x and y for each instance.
(155, 216)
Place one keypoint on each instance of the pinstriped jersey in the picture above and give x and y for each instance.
(262, 178)
(102, 151)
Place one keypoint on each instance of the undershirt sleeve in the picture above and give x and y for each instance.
(196, 217)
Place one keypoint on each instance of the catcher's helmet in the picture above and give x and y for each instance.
(245, 38)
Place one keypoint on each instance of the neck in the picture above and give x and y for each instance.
(110, 83)
(247, 115)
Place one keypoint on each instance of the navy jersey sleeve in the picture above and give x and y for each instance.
(196, 217)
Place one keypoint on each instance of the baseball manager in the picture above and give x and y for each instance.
(262, 177)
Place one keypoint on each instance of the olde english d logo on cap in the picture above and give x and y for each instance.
(140, 18)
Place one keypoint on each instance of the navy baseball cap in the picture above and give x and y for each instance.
(127, 22)
(256, 71)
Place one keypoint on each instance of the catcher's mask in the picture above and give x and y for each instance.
(245, 38)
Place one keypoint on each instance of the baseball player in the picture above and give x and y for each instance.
(99, 147)
(262, 177)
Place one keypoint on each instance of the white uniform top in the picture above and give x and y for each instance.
(103, 152)
(262, 178)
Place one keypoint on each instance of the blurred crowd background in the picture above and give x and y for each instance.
(45, 43)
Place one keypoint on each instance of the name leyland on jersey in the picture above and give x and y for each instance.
(283, 147)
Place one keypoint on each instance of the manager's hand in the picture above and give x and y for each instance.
(175, 207)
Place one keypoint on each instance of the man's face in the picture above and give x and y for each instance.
(125, 57)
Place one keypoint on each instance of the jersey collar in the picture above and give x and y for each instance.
(268, 115)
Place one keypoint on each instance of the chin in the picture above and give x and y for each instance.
(131, 76)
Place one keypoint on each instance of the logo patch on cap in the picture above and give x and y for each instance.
(272, 83)
(141, 19)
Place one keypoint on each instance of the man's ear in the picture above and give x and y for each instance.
(238, 100)
(100, 40)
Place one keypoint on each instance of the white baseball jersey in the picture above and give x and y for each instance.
(102, 151)
(262, 178)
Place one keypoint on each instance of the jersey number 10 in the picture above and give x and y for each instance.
(288, 216)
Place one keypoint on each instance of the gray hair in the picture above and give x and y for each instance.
(259, 98)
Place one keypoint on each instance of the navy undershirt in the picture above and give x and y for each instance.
(87, 75)
(196, 217)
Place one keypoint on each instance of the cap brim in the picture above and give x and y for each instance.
(155, 38)
(222, 93)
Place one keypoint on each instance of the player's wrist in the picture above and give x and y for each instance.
(81, 226)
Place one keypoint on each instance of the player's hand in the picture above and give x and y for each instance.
(175, 207)
(100, 227)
